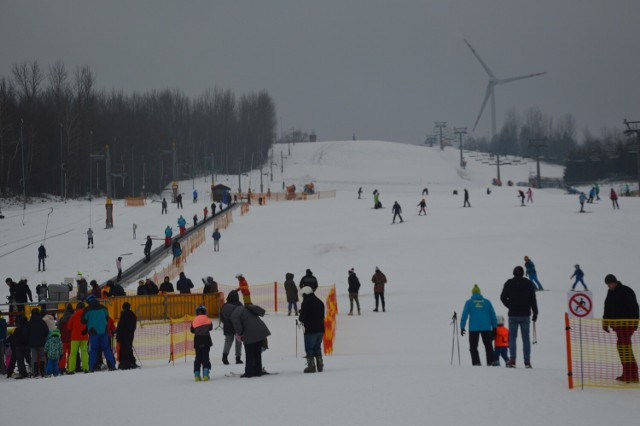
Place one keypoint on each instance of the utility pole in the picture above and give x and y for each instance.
(633, 127)
(107, 163)
(460, 131)
(281, 162)
(537, 144)
(441, 125)
(24, 181)
(133, 175)
(61, 166)
(90, 168)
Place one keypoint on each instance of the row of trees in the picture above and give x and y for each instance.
(54, 119)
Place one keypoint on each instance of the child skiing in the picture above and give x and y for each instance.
(200, 327)
(423, 205)
(579, 278)
(502, 342)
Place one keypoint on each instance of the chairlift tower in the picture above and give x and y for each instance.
(537, 144)
(460, 131)
(441, 125)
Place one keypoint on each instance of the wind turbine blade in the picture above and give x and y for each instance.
(484, 104)
(486, 68)
(522, 77)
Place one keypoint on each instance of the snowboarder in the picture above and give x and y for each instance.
(201, 328)
(147, 249)
(42, 255)
(359, 193)
(312, 317)
(423, 206)
(119, 267)
(216, 240)
(292, 293)
(482, 323)
(164, 206)
(396, 210)
(521, 195)
(89, 237)
(582, 198)
(182, 224)
(354, 288)
(466, 199)
(579, 278)
(529, 195)
(614, 199)
(531, 272)
(379, 280)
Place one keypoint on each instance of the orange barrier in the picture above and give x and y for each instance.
(134, 201)
(287, 196)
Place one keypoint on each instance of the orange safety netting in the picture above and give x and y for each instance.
(168, 340)
(134, 201)
(599, 359)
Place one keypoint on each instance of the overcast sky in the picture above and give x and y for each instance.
(380, 69)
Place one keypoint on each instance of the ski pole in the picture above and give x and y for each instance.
(535, 337)
(454, 323)
(296, 338)
(136, 353)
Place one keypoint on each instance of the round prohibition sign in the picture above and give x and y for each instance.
(580, 305)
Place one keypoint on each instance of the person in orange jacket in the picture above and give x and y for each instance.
(244, 289)
(502, 342)
(79, 341)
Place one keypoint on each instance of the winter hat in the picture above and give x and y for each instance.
(309, 272)
(351, 271)
(577, 266)
(238, 276)
(518, 271)
(54, 333)
(232, 297)
(91, 298)
(126, 306)
(475, 289)
(306, 290)
(610, 279)
(500, 319)
(377, 269)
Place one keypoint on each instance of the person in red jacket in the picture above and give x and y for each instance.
(79, 341)
(244, 289)
(65, 336)
(614, 199)
(502, 342)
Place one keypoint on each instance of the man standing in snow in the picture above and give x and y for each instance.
(164, 206)
(89, 237)
(482, 323)
(147, 249)
(379, 280)
(466, 199)
(396, 210)
(519, 296)
(354, 288)
(621, 314)
(312, 317)
(309, 280)
(216, 240)
(42, 255)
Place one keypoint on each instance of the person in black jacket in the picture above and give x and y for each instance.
(210, 285)
(19, 341)
(309, 280)
(147, 249)
(312, 317)
(116, 289)
(184, 284)
(354, 287)
(292, 293)
(621, 314)
(37, 331)
(21, 293)
(152, 288)
(519, 296)
(142, 289)
(42, 255)
(124, 335)
(166, 287)
(233, 301)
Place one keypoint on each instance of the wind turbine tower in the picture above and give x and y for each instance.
(494, 81)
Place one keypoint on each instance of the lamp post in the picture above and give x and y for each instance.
(61, 166)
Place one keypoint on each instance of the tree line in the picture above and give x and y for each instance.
(611, 154)
(56, 119)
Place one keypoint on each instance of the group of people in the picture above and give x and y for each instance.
(51, 346)
(595, 192)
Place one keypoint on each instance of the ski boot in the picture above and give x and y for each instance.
(196, 375)
(206, 375)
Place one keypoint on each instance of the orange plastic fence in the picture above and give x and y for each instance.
(596, 358)
(134, 201)
(287, 196)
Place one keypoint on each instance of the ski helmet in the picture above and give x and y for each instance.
(201, 310)
(500, 319)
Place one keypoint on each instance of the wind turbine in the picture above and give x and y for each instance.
(493, 81)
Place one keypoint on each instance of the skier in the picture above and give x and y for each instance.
(466, 199)
(292, 293)
(53, 350)
(627, 191)
(164, 206)
(423, 205)
(521, 195)
(195, 196)
(396, 210)
(582, 198)
(376, 200)
(597, 188)
(206, 212)
(531, 273)
(579, 278)
(359, 193)
(592, 194)
(42, 255)
(83, 288)
(201, 328)
(147, 249)
(529, 195)
(89, 237)
(210, 285)
(482, 323)
(614, 199)
(168, 234)
(354, 288)
(182, 224)
(312, 317)
(21, 293)
(379, 280)
(119, 267)
(233, 301)
(216, 240)
(195, 220)
(179, 201)
(425, 191)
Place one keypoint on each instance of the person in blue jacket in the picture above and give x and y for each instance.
(95, 317)
(579, 274)
(482, 323)
(582, 198)
(182, 224)
(531, 273)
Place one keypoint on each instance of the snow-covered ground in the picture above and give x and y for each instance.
(387, 368)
